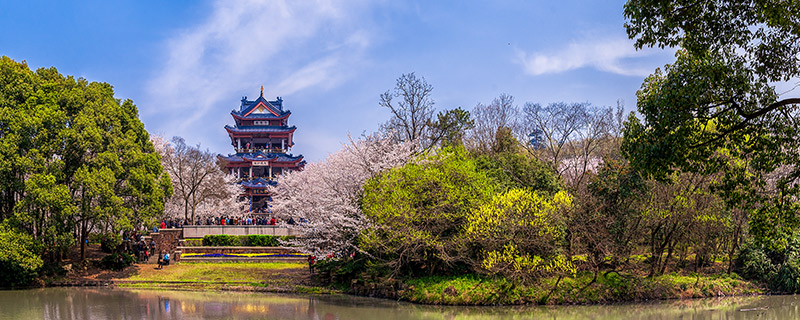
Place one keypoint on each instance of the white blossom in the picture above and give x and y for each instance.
(327, 193)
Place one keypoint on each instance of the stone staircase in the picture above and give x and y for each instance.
(172, 241)
(272, 254)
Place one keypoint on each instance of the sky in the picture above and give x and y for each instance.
(187, 64)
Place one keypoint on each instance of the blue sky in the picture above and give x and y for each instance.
(186, 64)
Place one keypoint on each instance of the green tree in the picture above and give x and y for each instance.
(608, 219)
(511, 170)
(418, 213)
(450, 127)
(73, 158)
(717, 102)
(765, 33)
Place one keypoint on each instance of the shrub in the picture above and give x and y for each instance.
(258, 240)
(193, 242)
(221, 240)
(19, 264)
(253, 240)
(94, 238)
(511, 170)
(109, 242)
(116, 261)
(753, 263)
(787, 279)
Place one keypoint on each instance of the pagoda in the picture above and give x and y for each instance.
(262, 139)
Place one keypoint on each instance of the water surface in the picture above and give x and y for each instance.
(108, 303)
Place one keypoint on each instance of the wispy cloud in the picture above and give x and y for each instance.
(287, 46)
(610, 55)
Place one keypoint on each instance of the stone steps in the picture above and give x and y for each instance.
(245, 259)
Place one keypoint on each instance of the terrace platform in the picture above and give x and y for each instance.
(191, 232)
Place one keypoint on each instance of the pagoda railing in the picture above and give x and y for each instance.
(245, 178)
(254, 150)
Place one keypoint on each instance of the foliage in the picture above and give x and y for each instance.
(258, 240)
(327, 194)
(787, 279)
(520, 233)
(109, 242)
(609, 223)
(418, 213)
(752, 262)
(74, 158)
(220, 240)
(763, 31)
(718, 102)
(19, 262)
(778, 268)
(516, 170)
(450, 127)
(117, 261)
(474, 289)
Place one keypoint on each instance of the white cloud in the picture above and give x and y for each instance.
(608, 55)
(286, 46)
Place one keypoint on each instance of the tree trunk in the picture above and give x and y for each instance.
(666, 260)
(83, 237)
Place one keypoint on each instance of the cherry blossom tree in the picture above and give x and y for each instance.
(326, 194)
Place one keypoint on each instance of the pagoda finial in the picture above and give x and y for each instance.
(262, 91)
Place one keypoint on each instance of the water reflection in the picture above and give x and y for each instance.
(106, 303)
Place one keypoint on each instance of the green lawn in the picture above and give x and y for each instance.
(273, 276)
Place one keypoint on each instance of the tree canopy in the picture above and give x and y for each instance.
(73, 158)
(716, 109)
(719, 93)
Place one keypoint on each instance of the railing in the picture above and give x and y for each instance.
(254, 150)
(191, 231)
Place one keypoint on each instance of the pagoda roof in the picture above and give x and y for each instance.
(263, 156)
(261, 108)
(282, 129)
(258, 183)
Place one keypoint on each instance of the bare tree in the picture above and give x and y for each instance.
(490, 119)
(200, 186)
(571, 136)
(412, 112)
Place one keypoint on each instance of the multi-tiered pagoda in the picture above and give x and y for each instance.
(262, 139)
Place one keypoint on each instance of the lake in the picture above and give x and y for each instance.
(115, 303)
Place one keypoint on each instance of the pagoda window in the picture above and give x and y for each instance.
(261, 123)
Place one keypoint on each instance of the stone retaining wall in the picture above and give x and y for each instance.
(229, 250)
(167, 241)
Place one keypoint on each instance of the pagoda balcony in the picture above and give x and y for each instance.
(267, 150)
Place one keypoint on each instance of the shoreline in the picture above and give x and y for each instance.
(467, 290)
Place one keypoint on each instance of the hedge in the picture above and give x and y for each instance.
(253, 240)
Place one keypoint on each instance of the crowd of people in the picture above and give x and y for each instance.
(135, 245)
(227, 221)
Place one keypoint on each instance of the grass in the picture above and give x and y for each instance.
(272, 277)
(481, 290)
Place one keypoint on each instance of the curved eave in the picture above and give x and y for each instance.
(238, 116)
(289, 162)
(284, 131)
